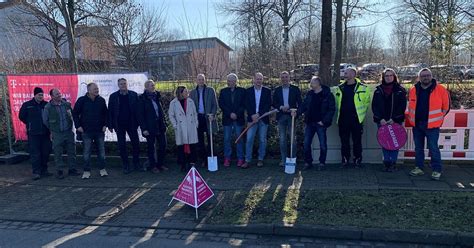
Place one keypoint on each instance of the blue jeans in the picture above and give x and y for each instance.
(228, 130)
(309, 132)
(388, 155)
(262, 137)
(98, 139)
(284, 129)
(432, 136)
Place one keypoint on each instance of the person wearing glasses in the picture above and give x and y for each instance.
(388, 105)
(428, 104)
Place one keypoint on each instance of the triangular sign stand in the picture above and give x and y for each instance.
(193, 190)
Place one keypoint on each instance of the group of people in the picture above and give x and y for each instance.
(192, 115)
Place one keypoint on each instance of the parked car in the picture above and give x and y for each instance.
(446, 72)
(342, 68)
(410, 72)
(304, 72)
(371, 71)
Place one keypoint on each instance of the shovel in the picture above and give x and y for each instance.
(211, 161)
(290, 164)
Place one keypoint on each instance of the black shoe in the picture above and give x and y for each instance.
(35, 176)
(321, 167)
(60, 175)
(358, 162)
(307, 166)
(345, 162)
(73, 173)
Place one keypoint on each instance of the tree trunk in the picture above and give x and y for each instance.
(337, 58)
(65, 11)
(326, 47)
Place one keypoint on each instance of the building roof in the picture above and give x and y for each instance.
(196, 40)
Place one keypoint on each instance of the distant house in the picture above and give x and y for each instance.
(24, 45)
(184, 59)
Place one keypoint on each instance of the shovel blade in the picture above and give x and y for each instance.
(212, 163)
(290, 165)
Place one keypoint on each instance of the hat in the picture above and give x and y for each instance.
(37, 90)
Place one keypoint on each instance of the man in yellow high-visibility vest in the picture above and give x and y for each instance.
(352, 101)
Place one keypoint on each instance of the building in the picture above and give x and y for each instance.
(184, 59)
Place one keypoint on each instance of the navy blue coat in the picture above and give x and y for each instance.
(294, 99)
(114, 109)
(147, 118)
(264, 106)
(31, 114)
(237, 107)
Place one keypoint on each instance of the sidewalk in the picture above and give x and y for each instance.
(141, 199)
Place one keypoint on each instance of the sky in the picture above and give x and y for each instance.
(200, 18)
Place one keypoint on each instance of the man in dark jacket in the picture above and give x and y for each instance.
(90, 119)
(258, 101)
(57, 116)
(231, 101)
(318, 108)
(39, 142)
(152, 123)
(122, 118)
(285, 97)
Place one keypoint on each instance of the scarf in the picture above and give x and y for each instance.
(187, 148)
(387, 89)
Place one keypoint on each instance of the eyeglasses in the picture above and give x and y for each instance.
(425, 76)
(389, 75)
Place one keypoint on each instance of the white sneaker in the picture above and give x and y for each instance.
(86, 175)
(103, 173)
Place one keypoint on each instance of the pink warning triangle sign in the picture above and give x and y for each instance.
(193, 190)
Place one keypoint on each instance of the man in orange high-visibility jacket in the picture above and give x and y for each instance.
(428, 104)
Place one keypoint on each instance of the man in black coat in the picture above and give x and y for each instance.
(152, 123)
(285, 97)
(258, 101)
(39, 142)
(318, 108)
(122, 118)
(90, 119)
(231, 101)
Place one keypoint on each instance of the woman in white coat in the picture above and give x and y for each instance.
(183, 116)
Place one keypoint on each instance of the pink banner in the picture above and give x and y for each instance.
(20, 88)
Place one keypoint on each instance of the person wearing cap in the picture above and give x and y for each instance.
(352, 102)
(39, 143)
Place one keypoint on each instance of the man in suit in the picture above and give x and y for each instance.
(122, 118)
(285, 97)
(204, 98)
(258, 101)
(231, 101)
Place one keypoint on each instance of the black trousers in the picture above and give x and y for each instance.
(183, 158)
(203, 149)
(348, 129)
(122, 145)
(39, 147)
(160, 140)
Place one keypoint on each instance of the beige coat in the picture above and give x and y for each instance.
(184, 124)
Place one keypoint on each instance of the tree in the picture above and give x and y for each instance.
(409, 47)
(337, 59)
(326, 43)
(133, 33)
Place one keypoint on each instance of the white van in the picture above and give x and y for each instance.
(343, 68)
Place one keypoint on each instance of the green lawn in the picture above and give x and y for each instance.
(385, 209)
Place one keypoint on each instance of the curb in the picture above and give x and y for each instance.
(428, 237)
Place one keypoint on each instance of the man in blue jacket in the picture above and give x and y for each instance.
(123, 120)
(39, 142)
(90, 119)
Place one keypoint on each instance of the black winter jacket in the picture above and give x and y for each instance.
(328, 106)
(114, 108)
(392, 107)
(225, 103)
(91, 115)
(31, 113)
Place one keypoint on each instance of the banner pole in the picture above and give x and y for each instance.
(7, 113)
